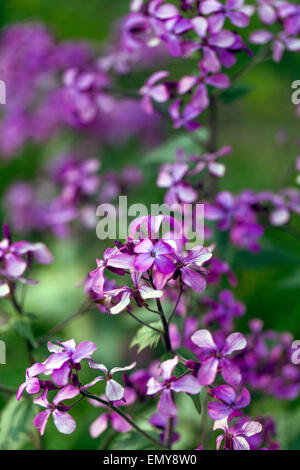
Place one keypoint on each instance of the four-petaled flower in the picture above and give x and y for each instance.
(113, 390)
(229, 403)
(63, 421)
(151, 254)
(187, 383)
(140, 292)
(154, 91)
(214, 358)
(236, 436)
(67, 357)
(171, 176)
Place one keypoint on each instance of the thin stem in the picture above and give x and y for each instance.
(169, 433)
(64, 323)
(176, 304)
(124, 416)
(213, 125)
(162, 318)
(143, 322)
(151, 310)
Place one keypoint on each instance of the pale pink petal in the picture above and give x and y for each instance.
(113, 390)
(64, 422)
(204, 339)
(99, 426)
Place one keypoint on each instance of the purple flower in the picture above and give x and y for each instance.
(233, 10)
(212, 42)
(152, 225)
(139, 292)
(151, 90)
(113, 390)
(217, 268)
(149, 255)
(280, 42)
(236, 438)
(169, 384)
(185, 117)
(64, 422)
(67, 357)
(228, 403)
(223, 210)
(118, 423)
(208, 160)
(160, 422)
(114, 260)
(171, 176)
(267, 12)
(224, 310)
(11, 255)
(187, 268)
(214, 359)
(32, 383)
(290, 14)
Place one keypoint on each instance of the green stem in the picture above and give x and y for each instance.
(124, 416)
(176, 304)
(143, 322)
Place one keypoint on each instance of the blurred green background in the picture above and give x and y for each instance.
(268, 282)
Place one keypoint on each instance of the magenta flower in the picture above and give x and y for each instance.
(218, 267)
(224, 310)
(171, 176)
(152, 225)
(289, 13)
(212, 43)
(67, 357)
(111, 417)
(150, 254)
(267, 12)
(223, 210)
(233, 10)
(185, 117)
(152, 90)
(169, 384)
(139, 292)
(236, 437)
(64, 422)
(11, 254)
(280, 42)
(113, 390)
(208, 160)
(228, 404)
(187, 268)
(214, 358)
(113, 260)
(32, 383)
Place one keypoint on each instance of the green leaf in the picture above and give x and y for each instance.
(186, 354)
(235, 92)
(15, 423)
(197, 402)
(146, 337)
(167, 151)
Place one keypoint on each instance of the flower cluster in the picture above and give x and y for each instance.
(199, 28)
(64, 365)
